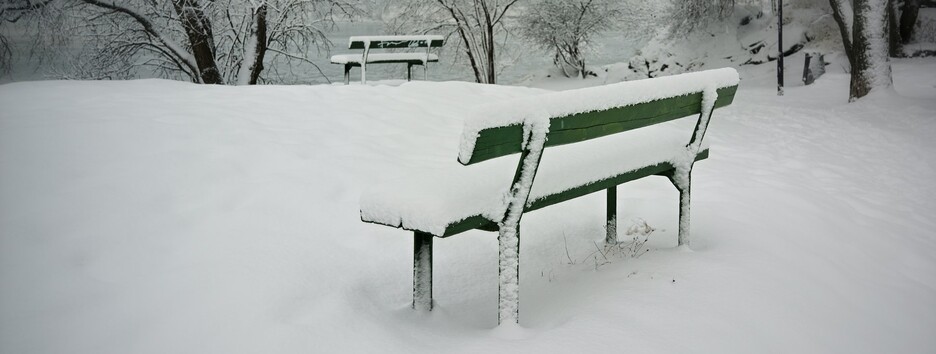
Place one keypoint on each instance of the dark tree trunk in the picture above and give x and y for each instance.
(869, 61)
(843, 26)
(894, 48)
(866, 68)
(489, 43)
(490, 54)
(198, 29)
(908, 18)
(780, 48)
(261, 47)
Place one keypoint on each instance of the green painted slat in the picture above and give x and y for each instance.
(480, 222)
(471, 223)
(642, 115)
(396, 44)
(502, 141)
(605, 184)
(393, 61)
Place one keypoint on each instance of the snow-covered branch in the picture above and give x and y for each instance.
(175, 49)
(205, 41)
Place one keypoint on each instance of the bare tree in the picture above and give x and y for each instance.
(686, 15)
(908, 17)
(205, 41)
(475, 25)
(902, 16)
(566, 26)
(14, 12)
(864, 30)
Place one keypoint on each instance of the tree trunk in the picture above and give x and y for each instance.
(198, 29)
(261, 44)
(870, 68)
(488, 42)
(843, 18)
(894, 48)
(489, 49)
(908, 19)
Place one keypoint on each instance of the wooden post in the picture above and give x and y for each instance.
(611, 225)
(422, 271)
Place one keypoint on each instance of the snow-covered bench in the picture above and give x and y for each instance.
(494, 195)
(389, 42)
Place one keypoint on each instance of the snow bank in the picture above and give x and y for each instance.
(164, 217)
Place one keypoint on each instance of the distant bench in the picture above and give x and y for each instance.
(389, 42)
(493, 196)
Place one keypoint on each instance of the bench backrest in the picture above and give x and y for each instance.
(584, 114)
(391, 42)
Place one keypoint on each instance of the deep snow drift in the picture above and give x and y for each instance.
(162, 217)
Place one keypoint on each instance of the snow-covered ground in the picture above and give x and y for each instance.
(162, 217)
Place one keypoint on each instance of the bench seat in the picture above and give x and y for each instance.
(449, 198)
(408, 58)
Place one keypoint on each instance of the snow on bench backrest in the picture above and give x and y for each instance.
(388, 42)
(578, 115)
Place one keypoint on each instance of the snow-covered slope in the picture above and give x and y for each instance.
(162, 217)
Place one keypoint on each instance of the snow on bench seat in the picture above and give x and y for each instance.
(434, 199)
(449, 192)
(413, 58)
(395, 41)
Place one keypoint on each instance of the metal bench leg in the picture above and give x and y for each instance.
(426, 62)
(347, 74)
(409, 72)
(684, 212)
(611, 225)
(683, 238)
(422, 271)
(508, 292)
(508, 238)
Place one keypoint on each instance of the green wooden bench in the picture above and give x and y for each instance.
(572, 143)
(389, 42)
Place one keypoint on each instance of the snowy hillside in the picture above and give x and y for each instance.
(162, 217)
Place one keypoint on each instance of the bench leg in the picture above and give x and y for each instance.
(682, 180)
(347, 74)
(508, 290)
(611, 225)
(363, 73)
(409, 72)
(422, 271)
(508, 238)
(684, 213)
